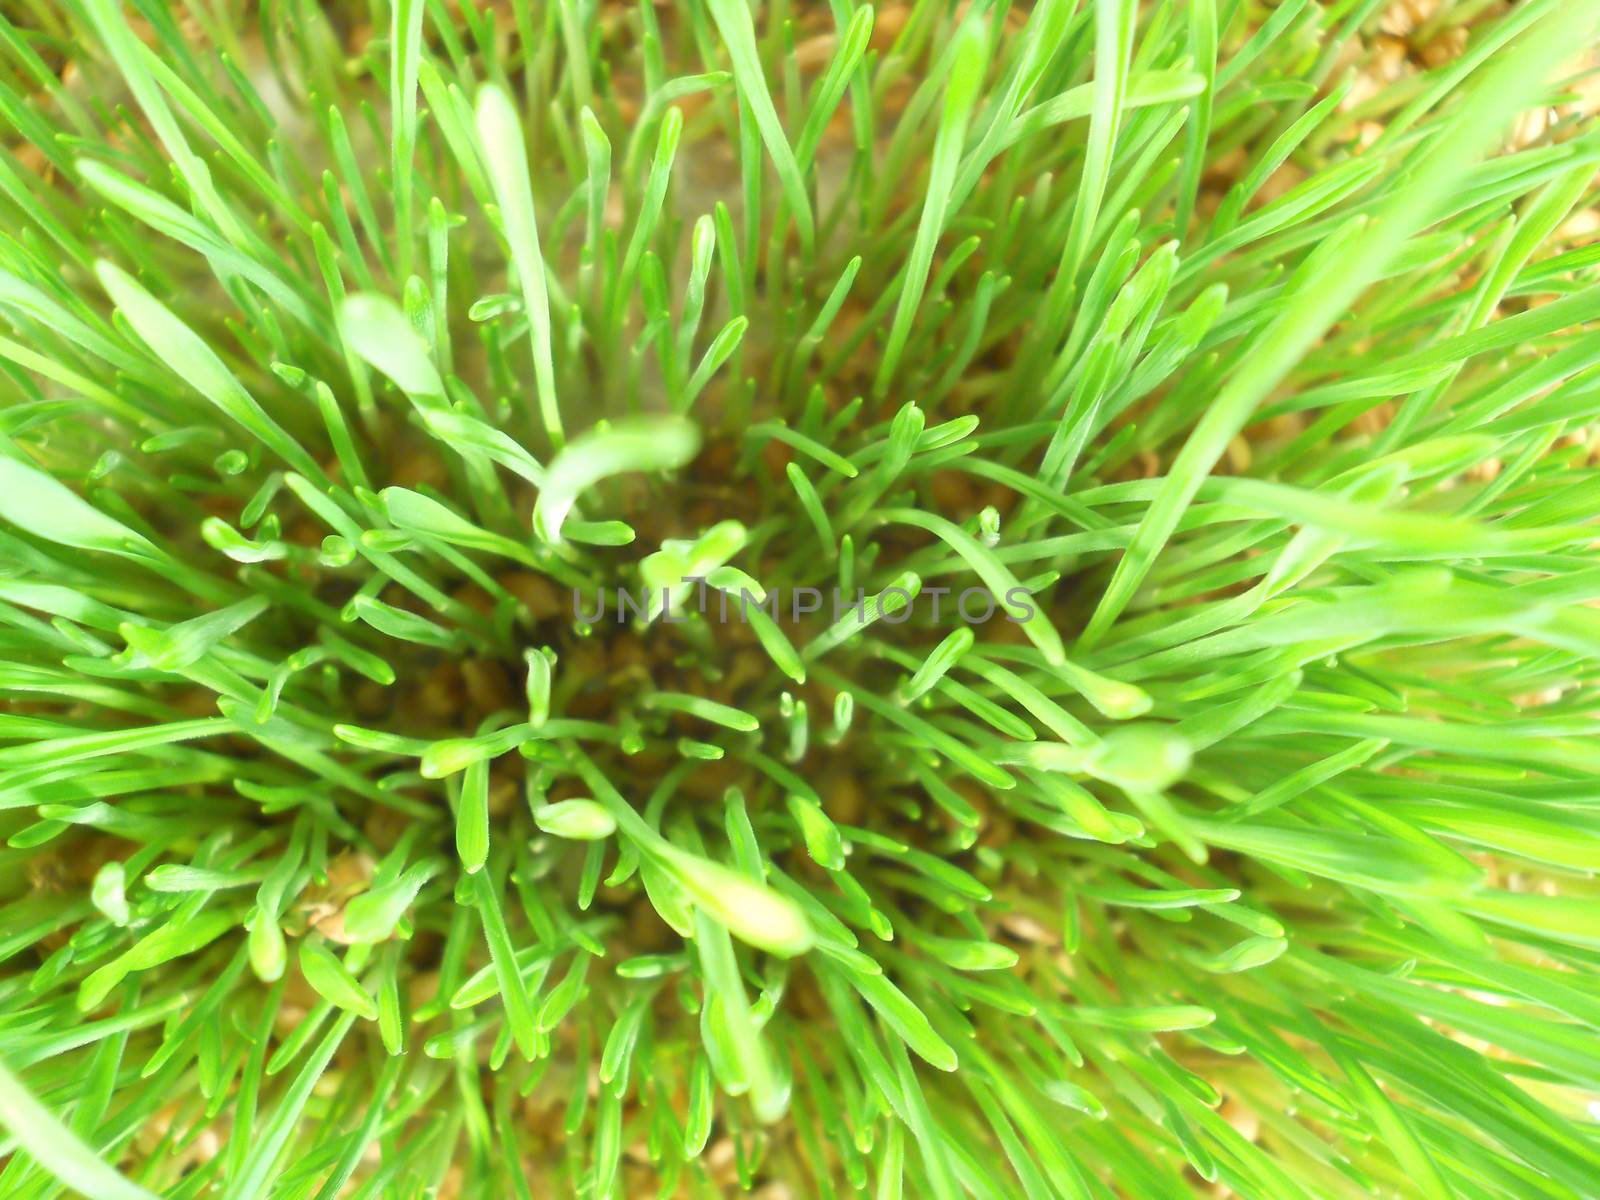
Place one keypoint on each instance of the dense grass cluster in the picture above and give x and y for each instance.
(346, 347)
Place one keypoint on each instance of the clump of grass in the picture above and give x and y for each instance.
(1245, 847)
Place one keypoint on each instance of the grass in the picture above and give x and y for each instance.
(1240, 374)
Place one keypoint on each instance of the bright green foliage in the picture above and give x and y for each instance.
(1179, 783)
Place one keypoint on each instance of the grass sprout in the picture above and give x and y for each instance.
(607, 599)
